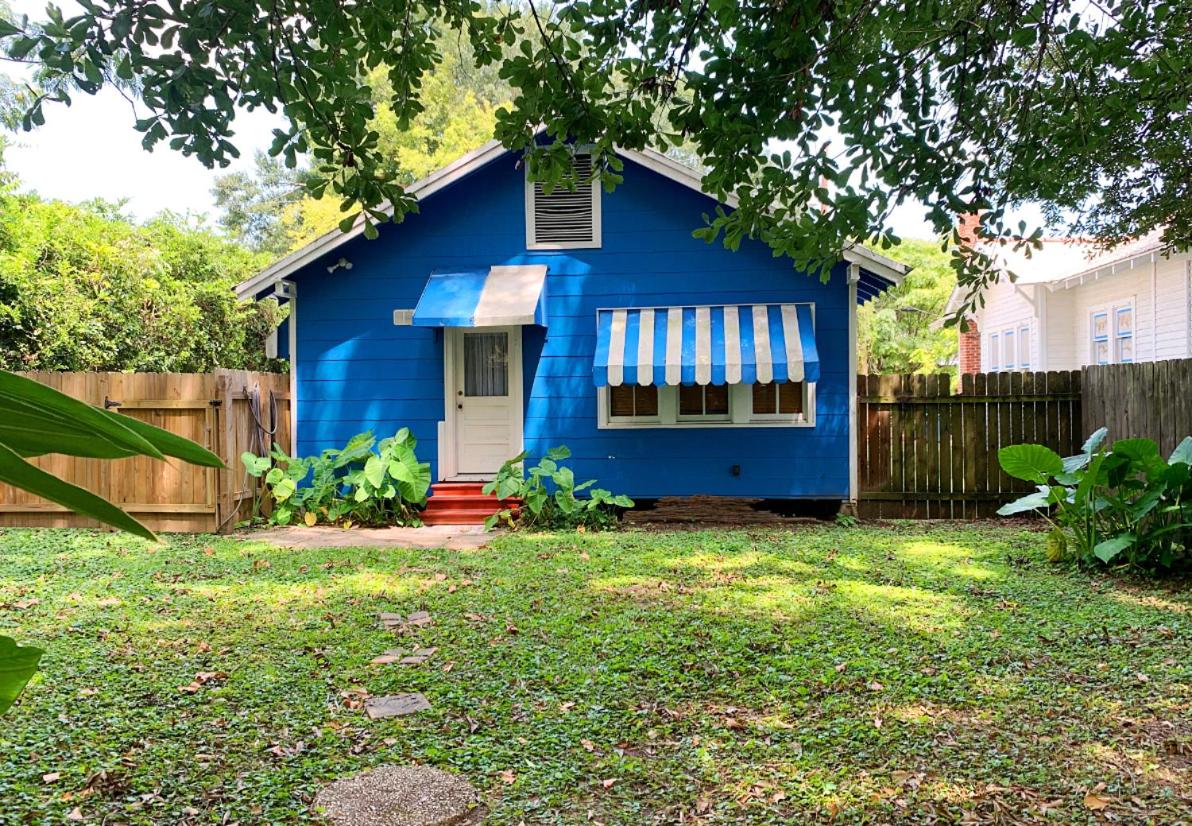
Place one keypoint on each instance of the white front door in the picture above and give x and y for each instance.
(485, 403)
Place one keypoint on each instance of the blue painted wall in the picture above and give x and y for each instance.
(356, 370)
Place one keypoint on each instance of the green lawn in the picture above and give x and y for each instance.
(908, 674)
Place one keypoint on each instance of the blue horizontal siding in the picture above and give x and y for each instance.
(357, 371)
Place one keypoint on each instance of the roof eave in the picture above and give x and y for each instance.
(651, 159)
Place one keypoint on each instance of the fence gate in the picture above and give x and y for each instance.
(926, 453)
(215, 410)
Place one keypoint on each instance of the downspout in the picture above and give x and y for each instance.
(289, 290)
(1154, 307)
(1188, 305)
(854, 276)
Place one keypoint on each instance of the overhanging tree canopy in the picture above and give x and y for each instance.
(858, 105)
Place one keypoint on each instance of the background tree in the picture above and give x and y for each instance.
(83, 287)
(962, 105)
(900, 330)
(269, 210)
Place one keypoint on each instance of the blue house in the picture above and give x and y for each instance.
(501, 318)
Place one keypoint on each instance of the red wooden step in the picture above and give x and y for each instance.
(462, 503)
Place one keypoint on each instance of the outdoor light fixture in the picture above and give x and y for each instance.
(342, 263)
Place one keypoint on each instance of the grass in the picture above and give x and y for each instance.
(907, 674)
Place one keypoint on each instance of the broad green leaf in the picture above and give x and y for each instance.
(15, 471)
(1034, 463)
(558, 453)
(374, 471)
(284, 489)
(171, 444)
(1032, 501)
(1182, 452)
(18, 664)
(35, 419)
(1110, 548)
(1093, 442)
(255, 465)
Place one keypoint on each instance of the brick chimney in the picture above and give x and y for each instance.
(968, 227)
(969, 347)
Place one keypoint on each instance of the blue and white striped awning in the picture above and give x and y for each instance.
(496, 297)
(729, 344)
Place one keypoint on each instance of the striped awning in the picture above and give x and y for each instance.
(729, 344)
(496, 297)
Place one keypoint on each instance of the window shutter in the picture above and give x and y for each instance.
(565, 218)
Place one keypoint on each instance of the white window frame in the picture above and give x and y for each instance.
(995, 351)
(740, 405)
(1009, 342)
(597, 237)
(1112, 338)
(1119, 336)
(1024, 335)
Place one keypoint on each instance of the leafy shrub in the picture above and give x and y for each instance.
(553, 505)
(1120, 505)
(351, 485)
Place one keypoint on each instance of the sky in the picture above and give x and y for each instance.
(91, 150)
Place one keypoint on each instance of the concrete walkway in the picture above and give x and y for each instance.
(452, 537)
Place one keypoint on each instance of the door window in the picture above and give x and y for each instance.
(486, 364)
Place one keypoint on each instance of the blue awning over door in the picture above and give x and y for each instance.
(496, 297)
(715, 344)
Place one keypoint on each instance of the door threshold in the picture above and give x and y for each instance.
(471, 477)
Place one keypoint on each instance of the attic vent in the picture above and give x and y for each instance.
(564, 219)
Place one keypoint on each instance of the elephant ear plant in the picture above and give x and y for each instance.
(355, 484)
(36, 420)
(548, 495)
(1123, 504)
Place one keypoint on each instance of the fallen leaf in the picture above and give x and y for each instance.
(840, 667)
(1095, 801)
(608, 782)
(440, 577)
(1142, 678)
(508, 777)
(703, 805)
(584, 556)
(875, 686)
(261, 564)
(51, 777)
(310, 518)
(566, 706)
(588, 745)
(76, 814)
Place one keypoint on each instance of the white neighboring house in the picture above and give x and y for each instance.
(1074, 305)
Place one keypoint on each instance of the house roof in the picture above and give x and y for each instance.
(1064, 263)
(879, 265)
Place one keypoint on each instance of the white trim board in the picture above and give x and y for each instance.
(649, 158)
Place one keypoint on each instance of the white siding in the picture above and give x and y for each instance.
(1008, 307)
(1160, 328)
(1060, 320)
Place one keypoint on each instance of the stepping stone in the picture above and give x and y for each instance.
(395, 655)
(401, 796)
(395, 705)
(418, 656)
(420, 618)
(396, 622)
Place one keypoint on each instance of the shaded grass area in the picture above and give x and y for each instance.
(904, 674)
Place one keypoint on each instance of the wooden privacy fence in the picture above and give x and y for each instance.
(1151, 400)
(228, 411)
(925, 453)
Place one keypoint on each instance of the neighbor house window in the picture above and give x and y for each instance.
(564, 218)
(1024, 348)
(995, 342)
(714, 405)
(1123, 334)
(1099, 330)
(1008, 350)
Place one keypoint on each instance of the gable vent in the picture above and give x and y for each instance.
(564, 219)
